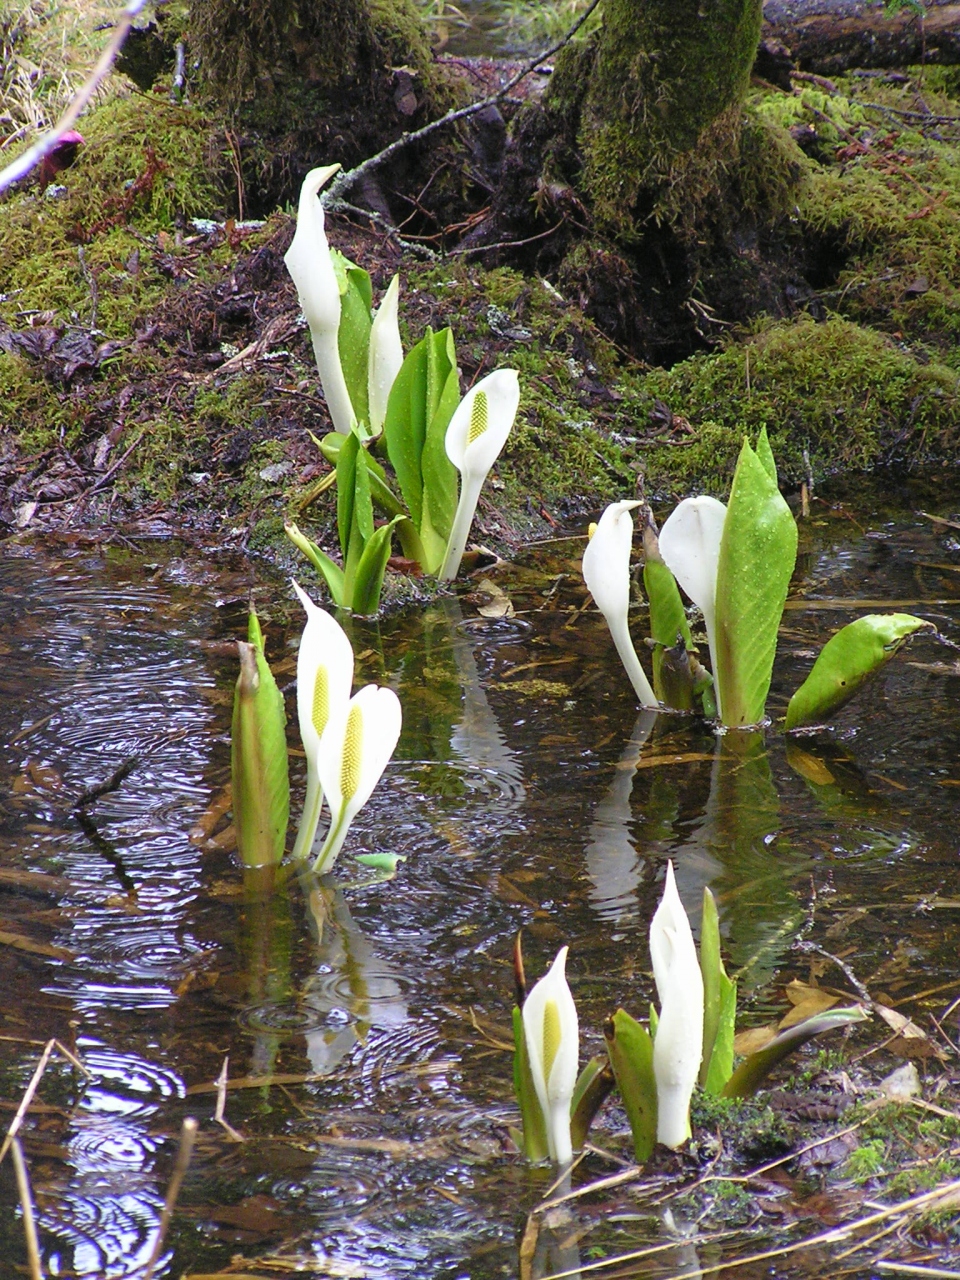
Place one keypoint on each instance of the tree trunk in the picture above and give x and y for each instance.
(661, 108)
(828, 36)
(311, 81)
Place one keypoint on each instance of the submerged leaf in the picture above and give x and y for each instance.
(846, 661)
(757, 556)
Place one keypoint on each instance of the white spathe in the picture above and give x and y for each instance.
(356, 747)
(324, 681)
(678, 1045)
(385, 355)
(690, 545)
(477, 432)
(552, 1037)
(606, 571)
(309, 262)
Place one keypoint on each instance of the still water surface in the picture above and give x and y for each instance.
(525, 793)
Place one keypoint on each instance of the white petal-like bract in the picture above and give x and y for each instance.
(606, 571)
(324, 681)
(678, 1046)
(552, 1038)
(385, 355)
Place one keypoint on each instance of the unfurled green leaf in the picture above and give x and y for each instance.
(259, 774)
(758, 551)
(346, 489)
(846, 661)
(594, 1085)
(630, 1049)
(751, 1072)
(534, 1126)
(332, 573)
(422, 400)
(353, 336)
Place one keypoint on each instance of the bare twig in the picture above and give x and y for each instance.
(862, 992)
(27, 1098)
(218, 1115)
(26, 1204)
(43, 146)
(345, 180)
(188, 1136)
(123, 771)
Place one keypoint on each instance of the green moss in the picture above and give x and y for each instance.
(883, 200)
(847, 395)
(143, 167)
(39, 414)
(661, 109)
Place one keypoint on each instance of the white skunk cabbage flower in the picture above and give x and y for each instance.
(385, 355)
(678, 1045)
(552, 1036)
(606, 571)
(477, 432)
(356, 747)
(690, 546)
(309, 263)
(324, 681)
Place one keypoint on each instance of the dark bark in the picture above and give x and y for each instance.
(829, 36)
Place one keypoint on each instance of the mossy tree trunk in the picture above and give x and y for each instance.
(660, 115)
(316, 80)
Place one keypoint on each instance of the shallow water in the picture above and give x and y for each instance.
(525, 793)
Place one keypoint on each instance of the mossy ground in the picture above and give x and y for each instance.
(862, 372)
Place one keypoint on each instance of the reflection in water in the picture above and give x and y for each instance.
(394, 1163)
(352, 989)
(612, 862)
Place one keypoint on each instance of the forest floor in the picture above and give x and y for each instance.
(156, 377)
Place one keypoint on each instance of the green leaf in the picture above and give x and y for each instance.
(756, 1066)
(593, 1087)
(757, 555)
(721, 1059)
(711, 967)
(332, 573)
(258, 767)
(765, 455)
(405, 425)
(346, 489)
(439, 475)
(353, 338)
(848, 658)
(368, 577)
(672, 681)
(534, 1125)
(380, 861)
(630, 1050)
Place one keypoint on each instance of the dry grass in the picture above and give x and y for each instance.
(46, 51)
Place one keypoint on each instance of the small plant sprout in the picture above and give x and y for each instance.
(552, 1041)
(355, 748)
(678, 1043)
(258, 758)
(477, 433)
(324, 681)
(606, 571)
(310, 263)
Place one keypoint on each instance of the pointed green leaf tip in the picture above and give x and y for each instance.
(260, 780)
(758, 552)
(846, 661)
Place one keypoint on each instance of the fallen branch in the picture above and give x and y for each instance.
(32, 157)
(345, 180)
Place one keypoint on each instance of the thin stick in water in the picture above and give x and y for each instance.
(26, 1204)
(188, 1135)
